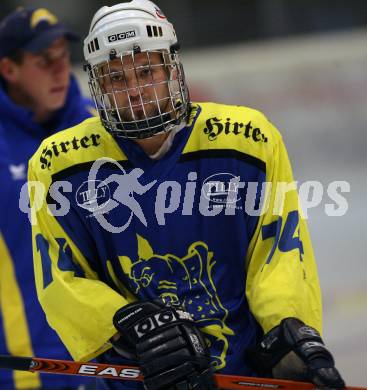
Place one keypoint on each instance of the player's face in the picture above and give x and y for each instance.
(42, 79)
(137, 86)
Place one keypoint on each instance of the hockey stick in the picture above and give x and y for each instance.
(113, 371)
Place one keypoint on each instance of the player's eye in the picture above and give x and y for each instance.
(116, 77)
(144, 72)
(42, 61)
(66, 54)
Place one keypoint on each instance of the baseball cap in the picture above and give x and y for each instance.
(31, 29)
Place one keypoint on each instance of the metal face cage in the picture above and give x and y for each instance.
(139, 93)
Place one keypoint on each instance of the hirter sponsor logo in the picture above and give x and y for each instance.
(54, 149)
(215, 127)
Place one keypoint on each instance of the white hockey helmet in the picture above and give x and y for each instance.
(122, 33)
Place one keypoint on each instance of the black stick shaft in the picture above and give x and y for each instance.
(15, 362)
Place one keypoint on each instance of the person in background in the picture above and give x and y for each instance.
(38, 97)
(168, 256)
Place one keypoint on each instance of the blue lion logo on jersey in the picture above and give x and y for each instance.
(186, 281)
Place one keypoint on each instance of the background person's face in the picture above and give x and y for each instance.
(43, 79)
(137, 87)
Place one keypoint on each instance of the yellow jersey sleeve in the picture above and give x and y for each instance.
(282, 278)
(77, 305)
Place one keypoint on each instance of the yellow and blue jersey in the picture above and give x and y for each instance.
(191, 227)
(24, 330)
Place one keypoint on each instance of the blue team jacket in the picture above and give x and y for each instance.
(23, 326)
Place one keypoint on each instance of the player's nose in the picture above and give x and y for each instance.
(133, 87)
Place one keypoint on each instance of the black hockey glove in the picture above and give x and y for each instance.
(293, 350)
(170, 349)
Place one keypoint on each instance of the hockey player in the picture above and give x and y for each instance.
(167, 254)
(38, 97)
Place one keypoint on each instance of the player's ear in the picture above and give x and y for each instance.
(9, 70)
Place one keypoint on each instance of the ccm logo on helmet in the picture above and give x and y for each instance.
(122, 35)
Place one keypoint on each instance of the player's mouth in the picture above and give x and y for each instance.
(58, 90)
(137, 107)
(138, 111)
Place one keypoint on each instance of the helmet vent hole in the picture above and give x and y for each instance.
(93, 45)
(96, 43)
(154, 31)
